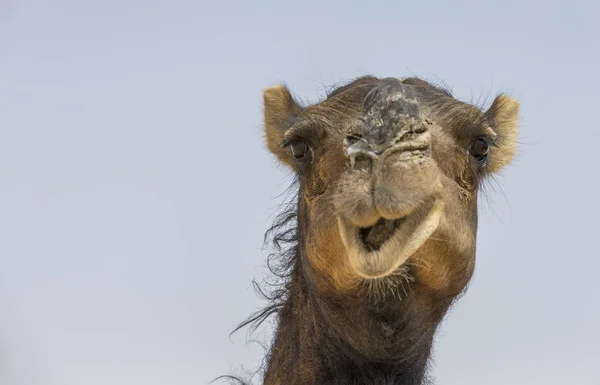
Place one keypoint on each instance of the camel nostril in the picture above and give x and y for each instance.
(358, 146)
(353, 138)
(359, 153)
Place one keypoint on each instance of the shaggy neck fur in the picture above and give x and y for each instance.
(309, 350)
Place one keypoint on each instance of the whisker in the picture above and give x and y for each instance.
(419, 263)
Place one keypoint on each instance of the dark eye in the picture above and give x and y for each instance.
(479, 149)
(299, 149)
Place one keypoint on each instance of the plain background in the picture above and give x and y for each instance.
(135, 188)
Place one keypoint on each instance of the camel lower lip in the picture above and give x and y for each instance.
(379, 250)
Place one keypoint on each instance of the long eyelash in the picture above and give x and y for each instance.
(491, 141)
(288, 142)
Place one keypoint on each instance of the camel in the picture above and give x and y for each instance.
(381, 239)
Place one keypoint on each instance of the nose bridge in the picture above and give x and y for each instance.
(389, 111)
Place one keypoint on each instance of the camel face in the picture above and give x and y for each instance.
(389, 172)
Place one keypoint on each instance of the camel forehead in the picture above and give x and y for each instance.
(348, 99)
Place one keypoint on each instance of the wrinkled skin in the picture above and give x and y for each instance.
(389, 173)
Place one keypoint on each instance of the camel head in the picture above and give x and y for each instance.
(389, 172)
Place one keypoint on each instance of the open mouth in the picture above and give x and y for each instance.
(375, 236)
(379, 250)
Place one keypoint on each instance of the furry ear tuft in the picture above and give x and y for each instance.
(504, 117)
(280, 111)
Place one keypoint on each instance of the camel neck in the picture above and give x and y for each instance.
(309, 350)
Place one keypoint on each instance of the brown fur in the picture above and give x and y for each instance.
(335, 324)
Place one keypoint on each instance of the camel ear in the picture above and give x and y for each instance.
(504, 117)
(281, 110)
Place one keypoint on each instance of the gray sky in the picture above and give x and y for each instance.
(135, 189)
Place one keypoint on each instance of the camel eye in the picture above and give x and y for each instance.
(299, 149)
(479, 150)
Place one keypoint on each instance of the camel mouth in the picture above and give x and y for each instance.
(380, 250)
(373, 237)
